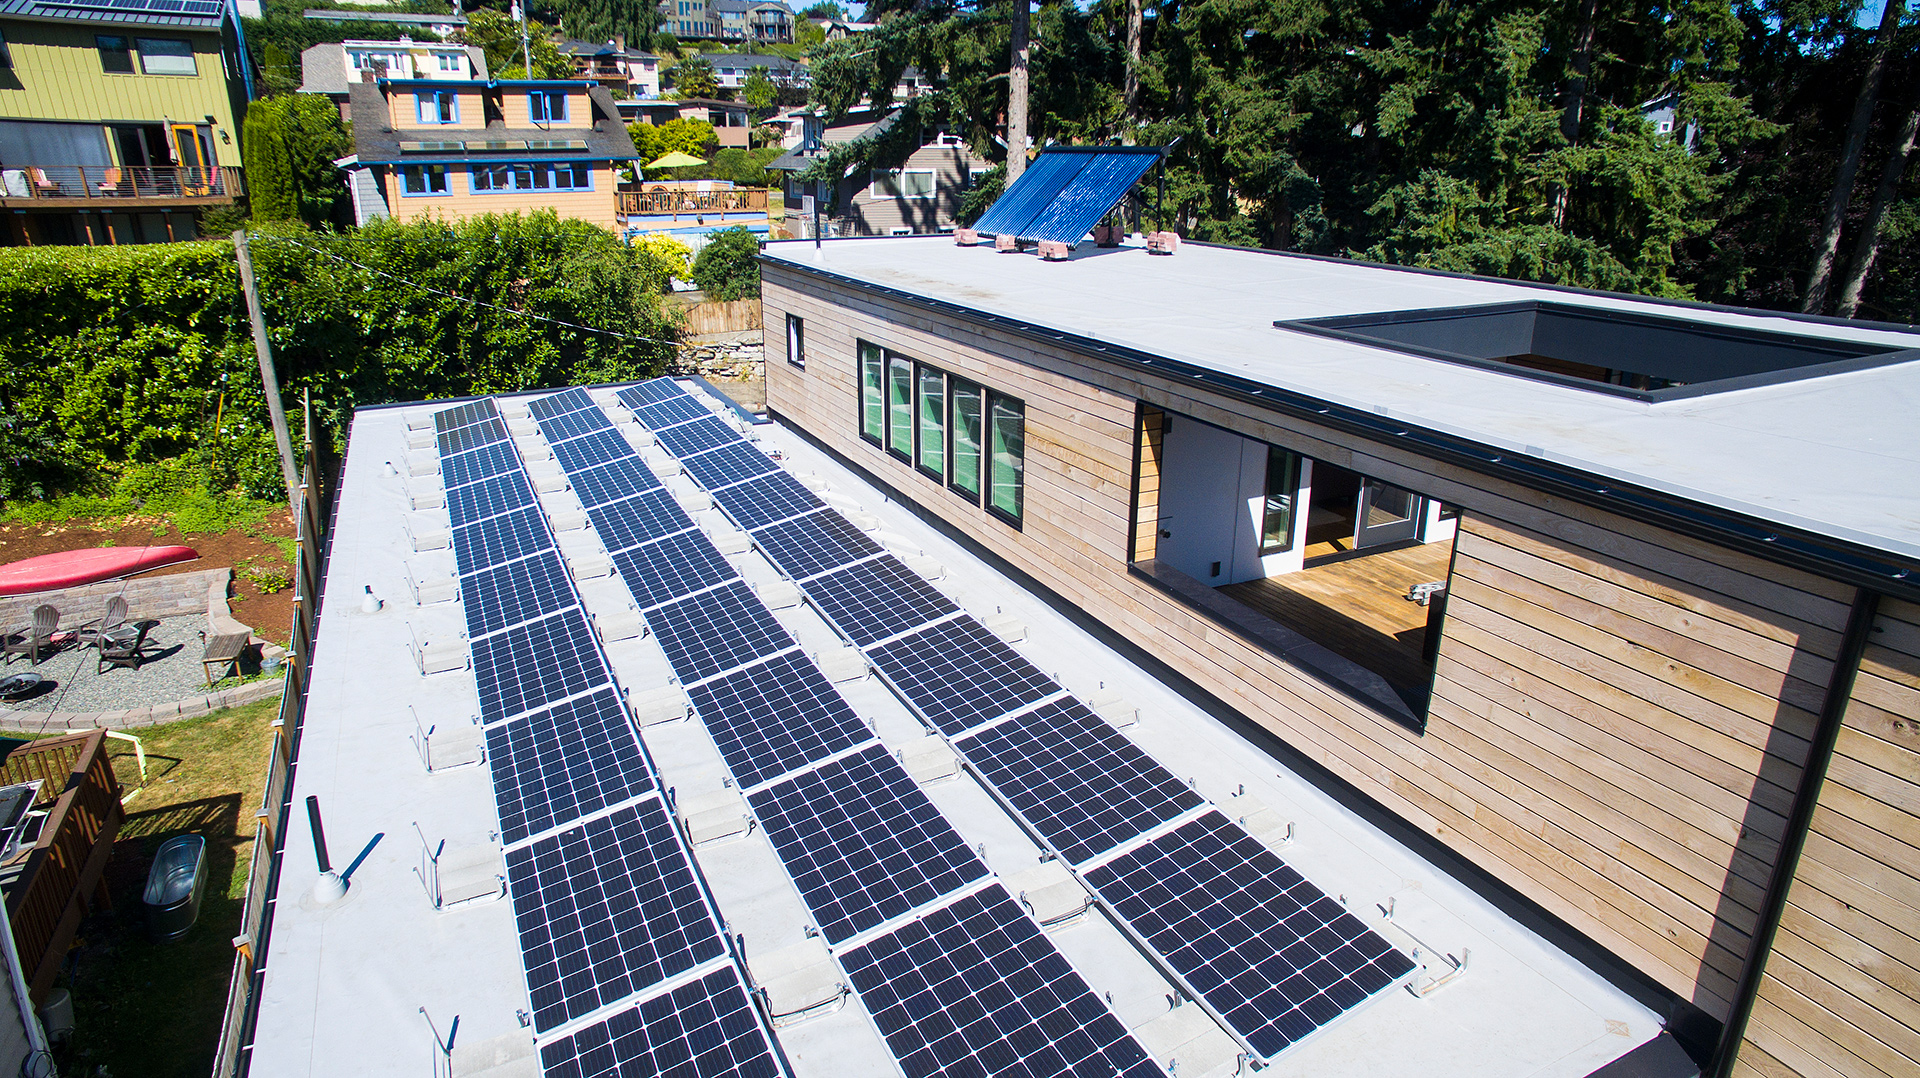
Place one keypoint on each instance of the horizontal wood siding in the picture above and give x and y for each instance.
(461, 201)
(1146, 513)
(1621, 712)
(1841, 993)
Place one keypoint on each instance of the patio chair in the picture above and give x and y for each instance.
(36, 639)
(90, 634)
(110, 182)
(43, 185)
(123, 649)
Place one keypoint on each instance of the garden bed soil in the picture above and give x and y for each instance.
(270, 616)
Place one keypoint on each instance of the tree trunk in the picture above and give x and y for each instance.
(1133, 59)
(1576, 97)
(1017, 95)
(1868, 246)
(1828, 241)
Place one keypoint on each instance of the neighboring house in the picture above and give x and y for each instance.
(687, 19)
(840, 29)
(441, 26)
(728, 20)
(1663, 113)
(731, 121)
(731, 70)
(116, 126)
(460, 149)
(916, 196)
(329, 68)
(628, 72)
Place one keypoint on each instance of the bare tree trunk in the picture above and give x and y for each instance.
(1576, 97)
(1017, 95)
(1133, 59)
(1868, 246)
(1828, 241)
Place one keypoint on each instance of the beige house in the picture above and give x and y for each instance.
(919, 195)
(433, 148)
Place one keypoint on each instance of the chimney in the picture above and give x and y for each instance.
(620, 44)
(367, 74)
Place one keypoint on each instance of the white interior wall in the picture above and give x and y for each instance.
(1199, 499)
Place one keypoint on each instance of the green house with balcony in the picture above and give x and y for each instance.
(119, 119)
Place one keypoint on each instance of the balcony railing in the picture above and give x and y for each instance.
(663, 200)
(70, 182)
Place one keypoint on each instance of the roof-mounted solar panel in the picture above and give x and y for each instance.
(1065, 192)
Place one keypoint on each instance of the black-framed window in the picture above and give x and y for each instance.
(958, 433)
(116, 54)
(166, 56)
(1283, 485)
(796, 342)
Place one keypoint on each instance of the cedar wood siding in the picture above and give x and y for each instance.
(1620, 712)
(1841, 992)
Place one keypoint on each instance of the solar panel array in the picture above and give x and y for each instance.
(627, 965)
(871, 857)
(1065, 191)
(1138, 836)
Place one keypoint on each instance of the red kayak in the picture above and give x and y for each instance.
(72, 568)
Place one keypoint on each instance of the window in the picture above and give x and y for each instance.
(796, 342)
(1006, 485)
(930, 391)
(965, 451)
(547, 108)
(438, 107)
(900, 406)
(902, 183)
(423, 179)
(166, 56)
(1283, 482)
(873, 407)
(449, 61)
(561, 176)
(116, 56)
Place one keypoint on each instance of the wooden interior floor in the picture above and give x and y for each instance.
(1358, 608)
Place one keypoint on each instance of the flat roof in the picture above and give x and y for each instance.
(347, 982)
(1830, 455)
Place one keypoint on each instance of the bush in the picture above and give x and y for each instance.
(728, 267)
(664, 257)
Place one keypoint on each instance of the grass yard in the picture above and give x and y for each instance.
(154, 1009)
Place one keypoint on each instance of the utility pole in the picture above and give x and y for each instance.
(268, 380)
(1017, 95)
(526, 50)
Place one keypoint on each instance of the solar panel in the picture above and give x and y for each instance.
(612, 481)
(181, 7)
(671, 411)
(536, 663)
(862, 843)
(572, 760)
(975, 989)
(715, 631)
(702, 1029)
(876, 599)
(494, 458)
(1267, 949)
(698, 436)
(759, 502)
(650, 392)
(585, 452)
(1075, 779)
(809, 545)
(488, 497)
(515, 592)
(677, 565)
(470, 412)
(638, 520)
(729, 464)
(472, 436)
(606, 909)
(558, 428)
(776, 717)
(959, 675)
(572, 399)
(1065, 192)
(499, 539)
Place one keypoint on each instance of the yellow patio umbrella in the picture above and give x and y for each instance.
(676, 159)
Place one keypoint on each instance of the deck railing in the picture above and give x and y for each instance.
(683, 203)
(119, 182)
(64, 870)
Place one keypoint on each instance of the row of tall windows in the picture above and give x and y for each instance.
(493, 179)
(956, 432)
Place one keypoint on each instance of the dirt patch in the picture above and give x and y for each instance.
(270, 615)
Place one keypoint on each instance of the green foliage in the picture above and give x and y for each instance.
(279, 69)
(728, 267)
(291, 143)
(121, 356)
(760, 93)
(499, 37)
(825, 9)
(666, 45)
(694, 77)
(746, 168)
(654, 141)
(269, 166)
(664, 257)
(808, 35)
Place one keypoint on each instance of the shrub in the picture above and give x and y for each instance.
(728, 267)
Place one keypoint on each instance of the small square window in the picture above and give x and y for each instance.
(548, 107)
(116, 55)
(438, 107)
(166, 56)
(449, 61)
(424, 179)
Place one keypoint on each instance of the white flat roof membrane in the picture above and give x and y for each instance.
(345, 983)
(1831, 455)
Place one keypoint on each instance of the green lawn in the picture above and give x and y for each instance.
(148, 1009)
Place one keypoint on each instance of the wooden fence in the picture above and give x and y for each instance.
(63, 872)
(723, 316)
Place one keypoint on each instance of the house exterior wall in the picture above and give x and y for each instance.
(517, 110)
(471, 113)
(598, 206)
(1620, 713)
(57, 75)
(866, 214)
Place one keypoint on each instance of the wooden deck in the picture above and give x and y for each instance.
(1358, 609)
